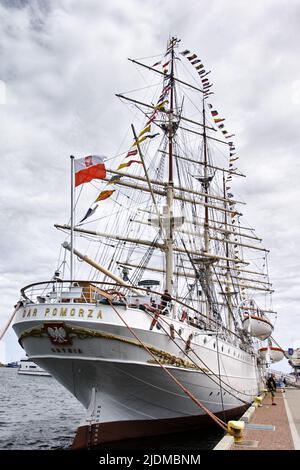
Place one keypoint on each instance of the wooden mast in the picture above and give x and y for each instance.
(206, 215)
(206, 185)
(227, 289)
(72, 220)
(170, 185)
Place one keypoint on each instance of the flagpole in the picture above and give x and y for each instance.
(72, 220)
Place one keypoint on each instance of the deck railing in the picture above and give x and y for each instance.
(100, 292)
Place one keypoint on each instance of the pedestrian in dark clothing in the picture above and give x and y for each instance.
(271, 384)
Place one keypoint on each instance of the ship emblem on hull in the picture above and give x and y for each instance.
(57, 333)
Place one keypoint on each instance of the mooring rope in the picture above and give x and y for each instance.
(221, 423)
(9, 321)
(201, 360)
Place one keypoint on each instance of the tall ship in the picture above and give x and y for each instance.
(159, 313)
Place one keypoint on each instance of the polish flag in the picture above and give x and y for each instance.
(89, 168)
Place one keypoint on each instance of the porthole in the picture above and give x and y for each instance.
(214, 345)
(210, 394)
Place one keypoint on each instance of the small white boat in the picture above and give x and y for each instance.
(276, 354)
(27, 367)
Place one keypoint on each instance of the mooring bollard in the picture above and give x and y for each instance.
(258, 402)
(236, 428)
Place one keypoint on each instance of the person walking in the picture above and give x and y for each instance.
(271, 384)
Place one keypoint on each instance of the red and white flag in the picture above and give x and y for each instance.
(89, 168)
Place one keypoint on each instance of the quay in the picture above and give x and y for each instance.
(284, 419)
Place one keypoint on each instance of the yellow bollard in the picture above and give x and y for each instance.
(235, 428)
(258, 401)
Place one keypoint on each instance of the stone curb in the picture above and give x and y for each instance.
(248, 414)
(225, 443)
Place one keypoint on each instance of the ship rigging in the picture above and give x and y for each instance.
(133, 348)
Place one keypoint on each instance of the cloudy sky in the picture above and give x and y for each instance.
(61, 61)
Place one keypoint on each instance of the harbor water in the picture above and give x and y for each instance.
(37, 413)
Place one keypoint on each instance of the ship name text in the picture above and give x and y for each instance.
(63, 312)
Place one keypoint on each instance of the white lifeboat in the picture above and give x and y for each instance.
(258, 326)
(276, 354)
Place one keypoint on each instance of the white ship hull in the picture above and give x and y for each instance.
(116, 379)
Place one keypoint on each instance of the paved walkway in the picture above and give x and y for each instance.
(292, 405)
(285, 419)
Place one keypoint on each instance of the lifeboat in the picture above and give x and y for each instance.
(258, 326)
(276, 354)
